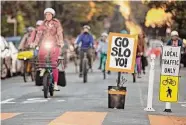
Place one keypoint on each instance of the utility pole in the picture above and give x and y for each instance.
(14, 21)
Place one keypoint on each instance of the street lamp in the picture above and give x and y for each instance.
(14, 21)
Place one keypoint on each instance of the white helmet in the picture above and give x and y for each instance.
(86, 26)
(39, 22)
(174, 33)
(104, 34)
(30, 29)
(50, 10)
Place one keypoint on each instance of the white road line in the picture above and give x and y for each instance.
(184, 105)
(7, 101)
(141, 96)
(61, 100)
(182, 102)
(35, 100)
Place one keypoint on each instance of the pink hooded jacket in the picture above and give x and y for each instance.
(49, 31)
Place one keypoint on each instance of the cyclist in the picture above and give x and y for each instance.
(34, 32)
(24, 44)
(50, 31)
(102, 48)
(175, 40)
(87, 41)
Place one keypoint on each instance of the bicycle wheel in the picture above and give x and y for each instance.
(173, 83)
(46, 84)
(51, 89)
(85, 71)
(33, 73)
(25, 73)
(164, 82)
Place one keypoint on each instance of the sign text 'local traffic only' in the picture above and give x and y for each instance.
(121, 52)
(170, 61)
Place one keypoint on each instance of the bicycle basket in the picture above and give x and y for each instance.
(25, 54)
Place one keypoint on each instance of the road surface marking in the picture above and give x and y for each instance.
(184, 105)
(182, 102)
(80, 118)
(141, 96)
(35, 100)
(5, 116)
(8, 101)
(61, 100)
(166, 120)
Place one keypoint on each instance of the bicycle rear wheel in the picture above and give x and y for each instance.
(46, 84)
(25, 73)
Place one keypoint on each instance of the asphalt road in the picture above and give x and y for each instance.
(87, 104)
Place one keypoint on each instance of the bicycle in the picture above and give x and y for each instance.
(28, 64)
(47, 78)
(169, 81)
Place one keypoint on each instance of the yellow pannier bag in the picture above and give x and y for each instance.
(25, 54)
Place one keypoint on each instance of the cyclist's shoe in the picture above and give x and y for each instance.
(99, 67)
(42, 72)
(56, 88)
(109, 72)
(80, 74)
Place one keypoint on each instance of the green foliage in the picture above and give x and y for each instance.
(178, 10)
(71, 14)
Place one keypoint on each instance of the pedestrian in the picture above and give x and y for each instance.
(51, 32)
(142, 43)
(138, 56)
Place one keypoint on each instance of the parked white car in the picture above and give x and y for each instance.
(9, 63)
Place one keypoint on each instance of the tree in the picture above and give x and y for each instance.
(71, 14)
(178, 11)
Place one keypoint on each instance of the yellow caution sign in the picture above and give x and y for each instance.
(169, 88)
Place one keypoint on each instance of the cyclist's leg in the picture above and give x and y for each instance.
(100, 62)
(55, 53)
(89, 56)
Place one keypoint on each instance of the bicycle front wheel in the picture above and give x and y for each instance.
(85, 63)
(46, 84)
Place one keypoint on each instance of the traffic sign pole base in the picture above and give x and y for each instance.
(149, 109)
(167, 110)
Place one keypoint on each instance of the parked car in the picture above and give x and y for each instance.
(9, 64)
(5, 58)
